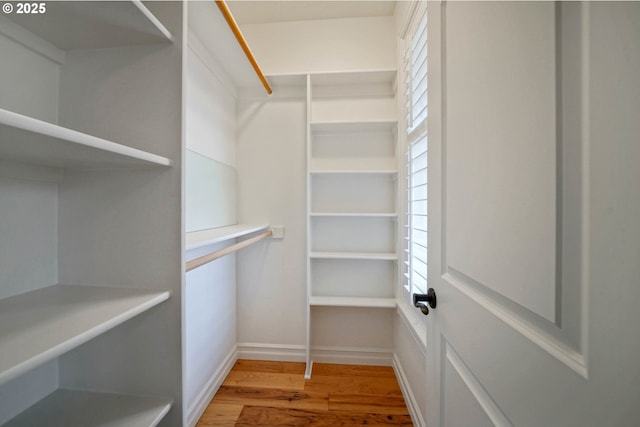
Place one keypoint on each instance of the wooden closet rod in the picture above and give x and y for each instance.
(243, 43)
(195, 263)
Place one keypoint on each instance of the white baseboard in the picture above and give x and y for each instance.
(197, 408)
(409, 397)
(297, 353)
(273, 352)
(352, 355)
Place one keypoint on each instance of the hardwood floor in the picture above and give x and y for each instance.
(275, 394)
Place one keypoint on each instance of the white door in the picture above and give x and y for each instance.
(534, 210)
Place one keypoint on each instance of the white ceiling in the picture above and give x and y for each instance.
(259, 12)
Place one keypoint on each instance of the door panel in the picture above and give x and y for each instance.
(464, 397)
(531, 135)
(508, 242)
(501, 165)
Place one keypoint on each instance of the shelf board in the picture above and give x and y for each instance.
(34, 141)
(354, 255)
(64, 408)
(354, 77)
(353, 172)
(41, 325)
(95, 25)
(323, 301)
(198, 239)
(352, 215)
(349, 126)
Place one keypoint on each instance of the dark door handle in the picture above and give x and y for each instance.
(420, 299)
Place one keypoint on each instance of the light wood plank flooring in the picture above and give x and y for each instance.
(275, 394)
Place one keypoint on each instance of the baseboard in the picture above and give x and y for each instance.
(272, 352)
(352, 355)
(409, 398)
(195, 411)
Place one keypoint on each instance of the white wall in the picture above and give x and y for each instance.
(28, 261)
(210, 328)
(33, 88)
(28, 207)
(210, 107)
(271, 189)
(323, 45)
(29, 230)
(410, 364)
(210, 291)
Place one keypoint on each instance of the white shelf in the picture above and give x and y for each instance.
(352, 215)
(353, 172)
(198, 239)
(95, 25)
(30, 140)
(355, 255)
(350, 78)
(65, 408)
(323, 301)
(41, 325)
(353, 126)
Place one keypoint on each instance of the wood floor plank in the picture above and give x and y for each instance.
(354, 385)
(253, 416)
(275, 394)
(220, 414)
(265, 380)
(330, 369)
(273, 397)
(370, 403)
(269, 366)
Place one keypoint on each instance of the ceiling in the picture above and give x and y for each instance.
(260, 12)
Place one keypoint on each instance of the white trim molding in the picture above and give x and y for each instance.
(199, 405)
(407, 393)
(352, 355)
(273, 352)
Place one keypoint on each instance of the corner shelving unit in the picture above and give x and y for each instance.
(352, 213)
(45, 327)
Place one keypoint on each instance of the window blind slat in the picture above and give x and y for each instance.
(416, 105)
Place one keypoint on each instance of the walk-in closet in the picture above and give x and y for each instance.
(278, 213)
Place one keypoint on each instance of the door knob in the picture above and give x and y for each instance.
(420, 299)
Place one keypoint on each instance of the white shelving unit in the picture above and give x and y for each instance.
(391, 256)
(353, 302)
(29, 140)
(40, 325)
(82, 25)
(71, 78)
(354, 172)
(60, 409)
(352, 212)
(354, 215)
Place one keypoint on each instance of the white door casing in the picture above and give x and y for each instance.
(534, 236)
